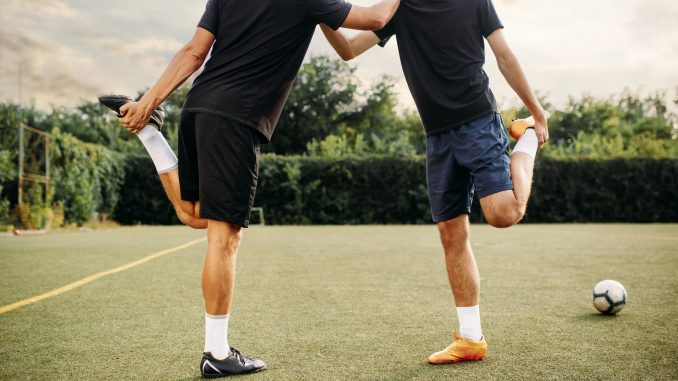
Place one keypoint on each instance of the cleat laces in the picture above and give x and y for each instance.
(242, 359)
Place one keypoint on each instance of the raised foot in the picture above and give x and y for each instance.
(518, 127)
(115, 102)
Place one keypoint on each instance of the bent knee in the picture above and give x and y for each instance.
(196, 224)
(505, 218)
(191, 221)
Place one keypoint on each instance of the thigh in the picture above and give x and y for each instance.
(228, 161)
(482, 147)
(450, 187)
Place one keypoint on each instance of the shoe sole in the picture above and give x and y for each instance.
(114, 101)
(448, 362)
(231, 375)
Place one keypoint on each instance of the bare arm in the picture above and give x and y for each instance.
(371, 18)
(186, 62)
(511, 70)
(349, 48)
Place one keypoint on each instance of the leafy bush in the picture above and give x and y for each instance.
(142, 198)
(87, 177)
(7, 172)
(349, 190)
(4, 212)
(388, 190)
(616, 190)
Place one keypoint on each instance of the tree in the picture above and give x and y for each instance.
(323, 94)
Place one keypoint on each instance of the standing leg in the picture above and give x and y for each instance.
(218, 279)
(464, 279)
(462, 269)
(226, 155)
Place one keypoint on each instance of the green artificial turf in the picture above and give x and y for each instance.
(344, 303)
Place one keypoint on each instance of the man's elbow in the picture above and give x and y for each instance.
(378, 22)
(507, 59)
(195, 55)
(377, 19)
(347, 55)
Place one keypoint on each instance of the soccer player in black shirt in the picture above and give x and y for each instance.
(233, 106)
(441, 46)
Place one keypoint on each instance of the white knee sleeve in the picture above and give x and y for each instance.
(161, 153)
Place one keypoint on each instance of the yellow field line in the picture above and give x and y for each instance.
(96, 276)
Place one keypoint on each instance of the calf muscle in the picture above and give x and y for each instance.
(188, 212)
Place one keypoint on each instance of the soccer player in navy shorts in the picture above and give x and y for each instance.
(232, 108)
(442, 52)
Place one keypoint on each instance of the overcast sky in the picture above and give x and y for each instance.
(72, 50)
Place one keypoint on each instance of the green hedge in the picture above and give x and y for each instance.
(385, 190)
(615, 190)
(303, 190)
(87, 177)
(142, 198)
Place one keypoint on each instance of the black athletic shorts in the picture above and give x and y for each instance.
(219, 166)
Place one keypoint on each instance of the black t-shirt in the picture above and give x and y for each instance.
(259, 47)
(442, 52)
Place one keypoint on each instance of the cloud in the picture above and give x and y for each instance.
(50, 8)
(74, 49)
(136, 47)
(42, 79)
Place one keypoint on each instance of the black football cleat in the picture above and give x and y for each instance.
(234, 364)
(115, 102)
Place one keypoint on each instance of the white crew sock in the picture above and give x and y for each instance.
(162, 155)
(528, 143)
(216, 336)
(469, 323)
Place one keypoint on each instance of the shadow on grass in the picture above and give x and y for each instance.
(415, 371)
(198, 377)
(595, 317)
(437, 372)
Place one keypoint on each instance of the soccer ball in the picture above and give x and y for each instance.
(609, 297)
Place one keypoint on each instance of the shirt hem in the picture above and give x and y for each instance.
(343, 19)
(222, 114)
(452, 215)
(457, 124)
(495, 189)
(492, 29)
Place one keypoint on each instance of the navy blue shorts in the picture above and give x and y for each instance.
(468, 158)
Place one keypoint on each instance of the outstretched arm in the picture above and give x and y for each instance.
(511, 70)
(371, 18)
(186, 62)
(349, 48)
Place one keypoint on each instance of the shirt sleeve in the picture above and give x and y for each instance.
(489, 20)
(210, 19)
(332, 13)
(386, 33)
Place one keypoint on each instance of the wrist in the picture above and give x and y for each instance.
(539, 114)
(147, 105)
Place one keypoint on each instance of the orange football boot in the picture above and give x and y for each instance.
(518, 127)
(460, 350)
